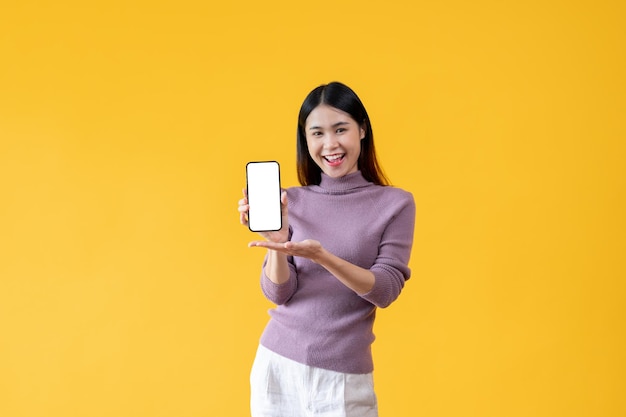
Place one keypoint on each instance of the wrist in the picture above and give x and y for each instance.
(321, 256)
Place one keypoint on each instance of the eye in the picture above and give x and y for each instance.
(341, 129)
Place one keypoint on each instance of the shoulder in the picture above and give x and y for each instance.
(386, 201)
(295, 193)
(395, 194)
(295, 190)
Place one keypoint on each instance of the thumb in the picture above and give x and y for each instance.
(283, 203)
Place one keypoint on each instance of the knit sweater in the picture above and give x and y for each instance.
(318, 321)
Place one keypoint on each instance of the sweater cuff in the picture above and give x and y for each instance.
(387, 287)
(277, 293)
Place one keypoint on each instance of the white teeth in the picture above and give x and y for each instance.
(333, 158)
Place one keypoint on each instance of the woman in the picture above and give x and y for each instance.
(342, 252)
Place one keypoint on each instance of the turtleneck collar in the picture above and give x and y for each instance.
(342, 185)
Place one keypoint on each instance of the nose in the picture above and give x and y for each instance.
(330, 141)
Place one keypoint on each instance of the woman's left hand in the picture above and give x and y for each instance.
(358, 279)
(309, 248)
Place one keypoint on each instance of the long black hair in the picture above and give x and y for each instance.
(339, 96)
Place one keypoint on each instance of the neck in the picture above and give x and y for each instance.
(346, 183)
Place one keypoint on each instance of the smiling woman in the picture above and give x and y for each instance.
(342, 252)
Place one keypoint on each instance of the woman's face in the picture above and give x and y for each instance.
(333, 138)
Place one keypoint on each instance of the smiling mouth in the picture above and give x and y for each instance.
(334, 159)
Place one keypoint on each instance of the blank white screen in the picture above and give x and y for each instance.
(263, 196)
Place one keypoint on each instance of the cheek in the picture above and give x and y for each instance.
(357, 145)
(359, 148)
(310, 145)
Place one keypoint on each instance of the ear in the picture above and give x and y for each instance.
(363, 130)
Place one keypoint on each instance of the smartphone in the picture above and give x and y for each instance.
(263, 185)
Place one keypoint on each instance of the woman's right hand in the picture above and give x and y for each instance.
(279, 236)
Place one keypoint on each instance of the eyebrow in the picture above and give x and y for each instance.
(335, 125)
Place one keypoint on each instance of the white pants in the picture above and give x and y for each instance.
(281, 387)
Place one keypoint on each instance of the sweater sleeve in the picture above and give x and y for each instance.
(279, 293)
(391, 268)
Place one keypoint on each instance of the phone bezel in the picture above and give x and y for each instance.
(279, 191)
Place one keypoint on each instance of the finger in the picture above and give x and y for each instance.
(243, 213)
(283, 202)
(256, 244)
(243, 208)
(268, 245)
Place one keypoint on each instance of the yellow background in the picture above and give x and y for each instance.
(127, 289)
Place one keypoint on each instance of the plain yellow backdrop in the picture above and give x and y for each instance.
(127, 289)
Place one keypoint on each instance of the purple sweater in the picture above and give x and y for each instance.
(319, 321)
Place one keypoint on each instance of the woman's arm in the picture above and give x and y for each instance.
(359, 280)
(277, 267)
